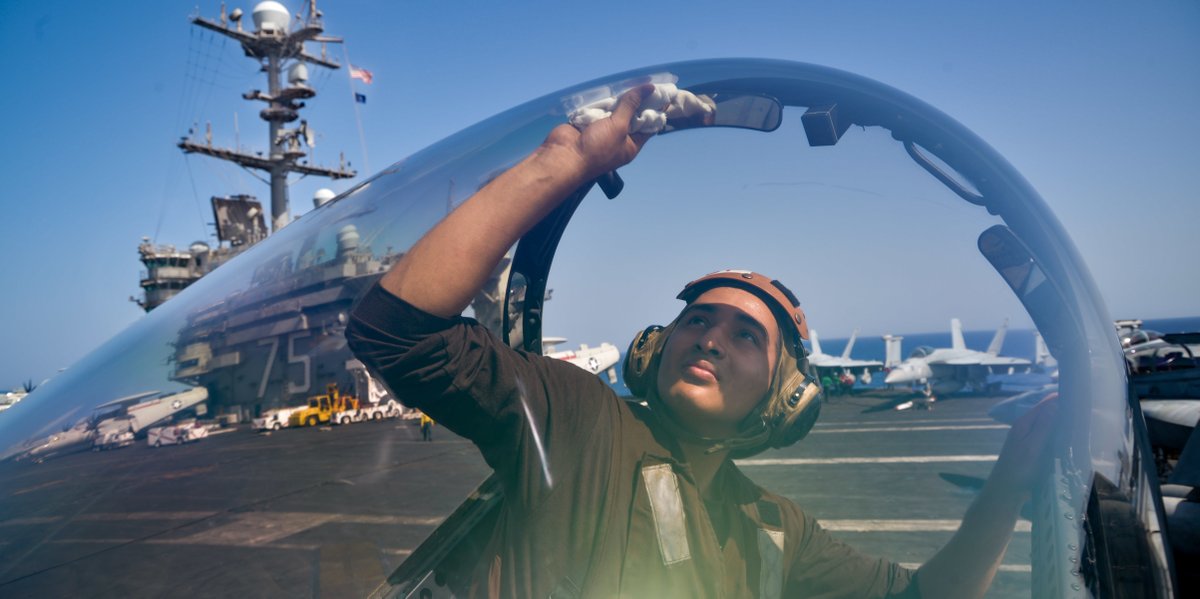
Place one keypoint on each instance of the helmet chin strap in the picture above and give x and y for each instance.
(744, 439)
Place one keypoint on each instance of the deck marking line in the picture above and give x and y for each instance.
(900, 421)
(903, 459)
(892, 429)
(284, 546)
(395, 520)
(116, 516)
(255, 528)
(30, 521)
(902, 525)
(1021, 568)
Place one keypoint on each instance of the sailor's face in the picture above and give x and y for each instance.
(717, 364)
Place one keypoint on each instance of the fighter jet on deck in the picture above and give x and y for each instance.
(946, 370)
(842, 364)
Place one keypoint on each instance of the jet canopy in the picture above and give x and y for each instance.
(819, 177)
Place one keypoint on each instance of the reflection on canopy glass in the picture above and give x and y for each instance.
(877, 210)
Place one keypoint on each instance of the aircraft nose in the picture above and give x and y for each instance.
(900, 374)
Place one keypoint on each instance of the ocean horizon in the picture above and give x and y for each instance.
(1018, 343)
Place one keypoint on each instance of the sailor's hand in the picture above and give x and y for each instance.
(606, 144)
(1024, 450)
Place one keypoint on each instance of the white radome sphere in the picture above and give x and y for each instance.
(322, 196)
(271, 17)
(298, 73)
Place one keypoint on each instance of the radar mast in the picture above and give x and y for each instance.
(276, 46)
(280, 47)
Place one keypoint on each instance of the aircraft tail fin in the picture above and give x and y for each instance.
(550, 344)
(1041, 353)
(956, 337)
(891, 346)
(998, 339)
(816, 343)
(850, 345)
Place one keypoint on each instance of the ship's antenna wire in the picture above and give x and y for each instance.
(197, 75)
(362, 140)
(162, 204)
(182, 108)
(196, 195)
(205, 76)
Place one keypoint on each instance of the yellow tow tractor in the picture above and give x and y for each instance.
(321, 408)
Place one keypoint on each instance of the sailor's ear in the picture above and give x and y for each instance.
(641, 359)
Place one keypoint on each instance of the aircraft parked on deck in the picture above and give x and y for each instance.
(592, 359)
(843, 364)
(946, 370)
(116, 423)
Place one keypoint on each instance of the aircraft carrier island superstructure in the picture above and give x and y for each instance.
(239, 223)
(280, 47)
(273, 343)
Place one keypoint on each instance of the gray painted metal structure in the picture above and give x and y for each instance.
(274, 47)
(169, 270)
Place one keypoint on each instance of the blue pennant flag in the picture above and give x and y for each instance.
(360, 98)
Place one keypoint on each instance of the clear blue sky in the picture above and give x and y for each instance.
(1094, 102)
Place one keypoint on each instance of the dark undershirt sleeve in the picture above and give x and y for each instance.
(826, 568)
(512, 404)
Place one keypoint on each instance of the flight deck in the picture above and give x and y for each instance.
(330, 511)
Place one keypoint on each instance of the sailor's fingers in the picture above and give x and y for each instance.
(630, 102)
(1027, 443)
(1039, 418)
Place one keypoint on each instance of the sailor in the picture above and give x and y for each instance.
(426, 427)
(605, 498)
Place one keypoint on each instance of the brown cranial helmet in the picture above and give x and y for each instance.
(792, 403)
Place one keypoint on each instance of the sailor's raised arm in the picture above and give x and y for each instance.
(446, 267)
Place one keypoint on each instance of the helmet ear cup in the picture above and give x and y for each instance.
(641, 360)
(787, 418)
(792, 409)
(799, 413)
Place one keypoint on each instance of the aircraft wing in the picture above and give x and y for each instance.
(987, 361)
(849, 363)
(127, 400)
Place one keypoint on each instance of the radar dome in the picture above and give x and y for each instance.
(347, 240)
(322, 197)
(198, 247)
(298, 73)
(271, 17)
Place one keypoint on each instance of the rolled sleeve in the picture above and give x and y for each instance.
(462, 375)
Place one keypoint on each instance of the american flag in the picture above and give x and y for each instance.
(363, 74)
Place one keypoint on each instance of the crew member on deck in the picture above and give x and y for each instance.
(605, 498)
